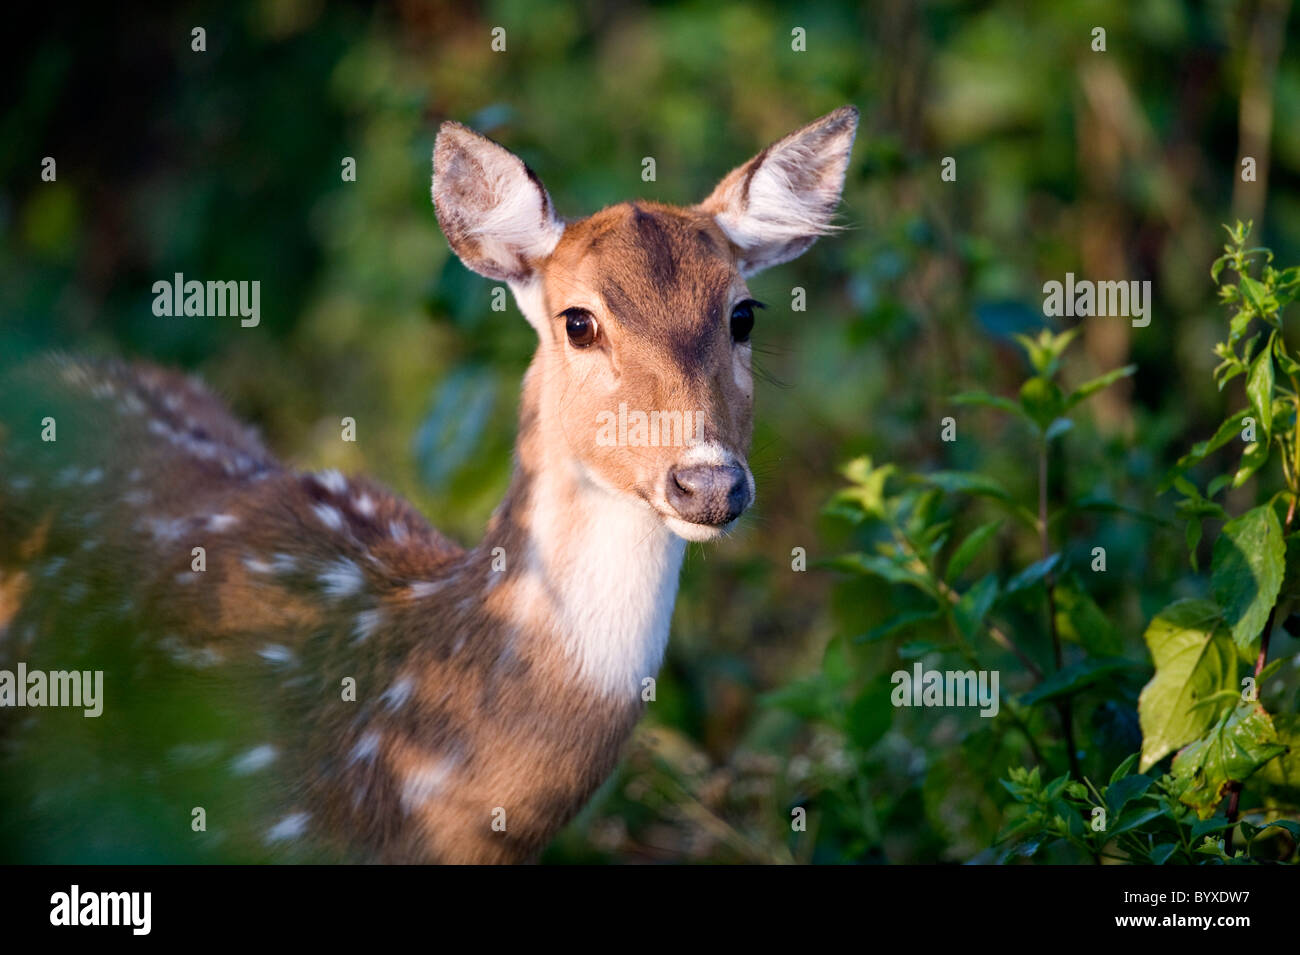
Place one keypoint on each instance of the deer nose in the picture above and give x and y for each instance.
(709, 493)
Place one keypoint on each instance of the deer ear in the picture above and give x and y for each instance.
(776, 205)
(492, 208)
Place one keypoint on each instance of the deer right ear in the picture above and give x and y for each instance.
(492, 208)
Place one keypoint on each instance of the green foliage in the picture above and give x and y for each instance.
(957, 615)
(1134, 818)
(1194, 700)
(1193, 705)
(1195, 679)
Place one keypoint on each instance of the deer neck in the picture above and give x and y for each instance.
(591, 574)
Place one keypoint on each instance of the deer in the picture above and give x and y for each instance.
(493, 687)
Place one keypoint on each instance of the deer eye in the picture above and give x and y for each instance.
(580, 326)
(742, 319)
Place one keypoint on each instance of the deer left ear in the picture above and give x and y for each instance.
(776, 205)
(494, 211)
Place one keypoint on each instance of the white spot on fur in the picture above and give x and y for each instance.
(329, 515)
(365, 749)
(421, 784)
(365, 625)
(426, 588)
(259, 757)
(257, 566)
(221, 522)
(333, 481)
(342, 579)
(180, 653)
(277, 653)
(365, 505)
(397, 694)
(93, 476)
(290, 827)
(162, 529)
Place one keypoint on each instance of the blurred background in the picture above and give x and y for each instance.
(1113, 165)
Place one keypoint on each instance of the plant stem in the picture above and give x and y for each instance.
(999, 637)
(1234, 789)
(1064, 707)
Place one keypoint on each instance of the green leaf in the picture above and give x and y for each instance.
(1098, 503)
(1135, 818)
(1248, 566)
(1057, 428)
(1161, 853)
(1042, 400)
(1193, 540)
(1292, 827)
(1124, 768)
(1290, 367)
(1257, 295)
(1194, 659)
(870, 715)
(837, 669)
(1241, 742)
(1075, 677)
(970, 548)
(1031, 575)
(1045, 351)
(896, 623)
(986, 400)
(1231, 428)
(1252, 459)
(1285, 770)
(1238, 324)
(963, 482)
(1259, 389)
(1120, 794)
(808, 699)
(1208, 827)
(868, 491)
(1090, 388)
(975, 604)
(1081, 621)
(878, 566)
(914, 649)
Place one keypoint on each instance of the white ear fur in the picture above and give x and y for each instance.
(493, 210)
(776, 205)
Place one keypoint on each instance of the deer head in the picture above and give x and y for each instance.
(642, 382)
